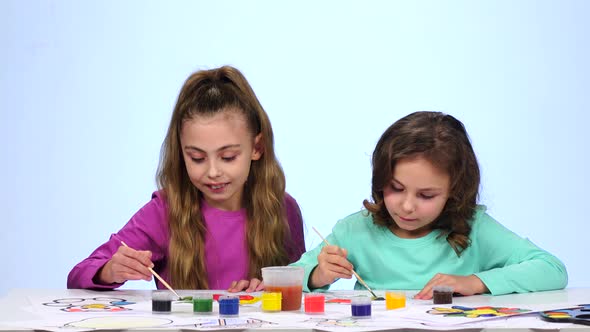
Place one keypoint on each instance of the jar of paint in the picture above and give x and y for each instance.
(162, 301)
(288, 280)
(314, 303)
(229, 306)
(271, 301)
(395, 300)
(203, 303)
(361, 307)
(442, 295)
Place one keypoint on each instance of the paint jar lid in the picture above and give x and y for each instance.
(203, 296)
(162, 295)
(229, 299)
(270, 296)
(316, 297)
(446, 289)
(360, 300)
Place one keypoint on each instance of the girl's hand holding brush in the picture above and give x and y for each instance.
(332, 265)
(127, 264)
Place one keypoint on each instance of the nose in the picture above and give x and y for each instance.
(408, 205)
(214, 171)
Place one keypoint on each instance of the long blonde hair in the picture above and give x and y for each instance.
(204, 93)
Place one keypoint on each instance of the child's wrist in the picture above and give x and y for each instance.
(102, 275)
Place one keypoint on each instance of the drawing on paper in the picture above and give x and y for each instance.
(476, 312)
(93, 304)
(326, 322)
(230, 323)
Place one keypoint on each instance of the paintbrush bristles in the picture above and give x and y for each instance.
(156, 275)
(353, 272)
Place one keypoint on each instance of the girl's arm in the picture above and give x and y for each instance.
(295, 245)
(146, 230)
(509, 263)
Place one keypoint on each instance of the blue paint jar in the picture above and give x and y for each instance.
(361, 307)
(229, 306)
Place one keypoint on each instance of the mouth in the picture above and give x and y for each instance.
(216, 186)
(407, 219)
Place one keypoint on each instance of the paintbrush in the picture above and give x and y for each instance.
(375, 297)
(157, 276)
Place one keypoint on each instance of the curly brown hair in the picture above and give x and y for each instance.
(207, 92)
(443, 141)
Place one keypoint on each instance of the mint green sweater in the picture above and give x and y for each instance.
(504, 261)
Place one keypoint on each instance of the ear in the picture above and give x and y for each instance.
(258, 147)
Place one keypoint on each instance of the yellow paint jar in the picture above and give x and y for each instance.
(395, 300)
(271, 301)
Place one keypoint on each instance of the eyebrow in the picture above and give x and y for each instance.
(225, 147)
(419, 189)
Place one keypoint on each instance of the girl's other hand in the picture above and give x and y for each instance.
(127, 264)
(253, 285)
(464, 285)
(332, 265)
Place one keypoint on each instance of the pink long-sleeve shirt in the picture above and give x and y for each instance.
(226, 251)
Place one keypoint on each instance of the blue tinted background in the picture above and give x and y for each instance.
(87, 89)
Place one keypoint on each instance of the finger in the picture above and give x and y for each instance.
(253, 285)
(144, 256)
(122, 274)
(423, 294)
(334, 250)
(334, 272)
(242, 284)
(260, 286)
(426, 292)
(232, 286)
(128, 264)
(340, 265)
(239, 286)
(344, 252)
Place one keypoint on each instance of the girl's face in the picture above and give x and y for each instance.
(415, 197)
(218, 151)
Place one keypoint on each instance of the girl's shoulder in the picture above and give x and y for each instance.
(159, 199)
(483, 223)
(361, 220)
(155, 211)
(290, 202)
(158, 203)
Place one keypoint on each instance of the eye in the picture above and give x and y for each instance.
(425, 196)
(396, 189)
(197, 160)
(228, 159)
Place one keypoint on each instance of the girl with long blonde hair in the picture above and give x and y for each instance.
(221, 212)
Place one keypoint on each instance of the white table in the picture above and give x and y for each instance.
(32, 309)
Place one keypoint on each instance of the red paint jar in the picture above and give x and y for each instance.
(314, 303)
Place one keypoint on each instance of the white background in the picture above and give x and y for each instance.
(87, 89)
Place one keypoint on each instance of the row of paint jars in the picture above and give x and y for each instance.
(229, 304)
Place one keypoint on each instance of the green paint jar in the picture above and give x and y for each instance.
(202, 303)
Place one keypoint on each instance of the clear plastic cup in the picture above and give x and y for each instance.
(285, 279)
